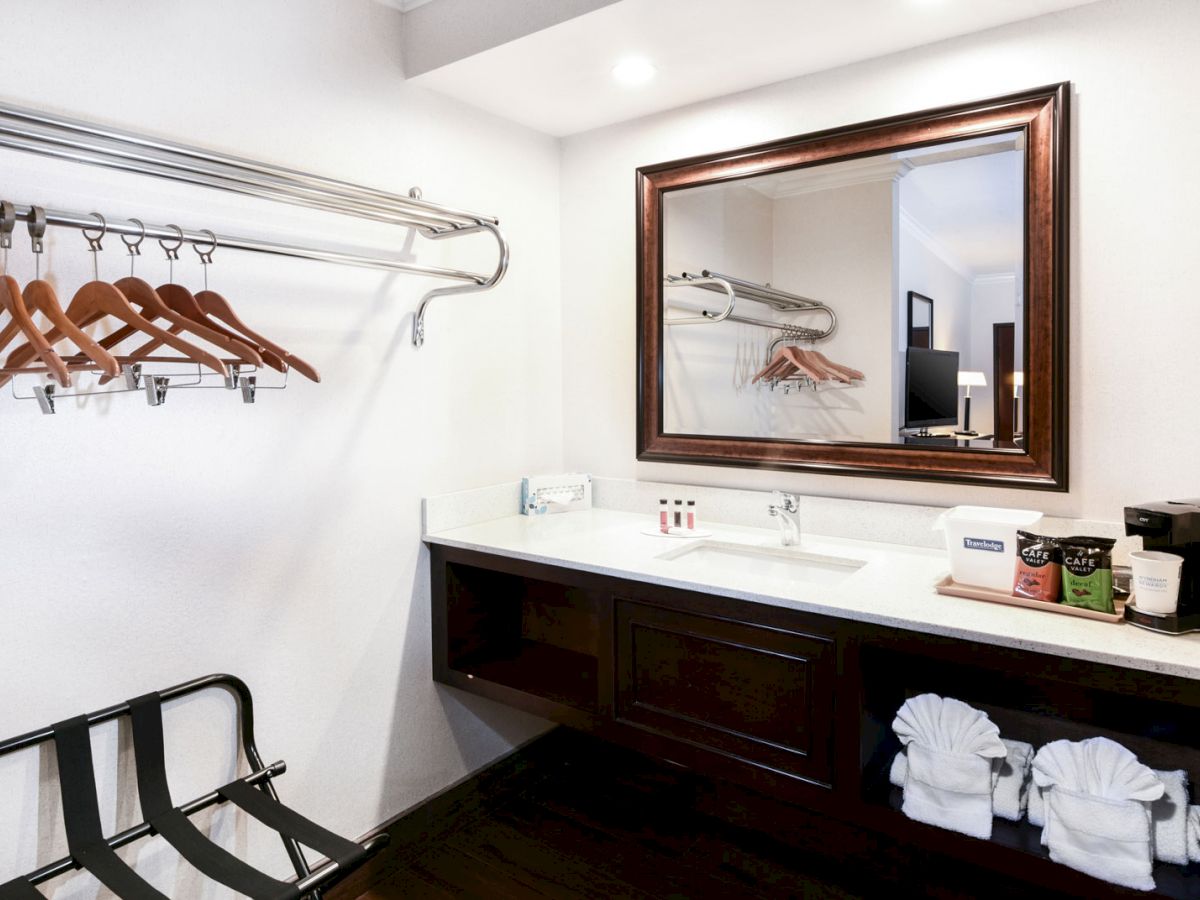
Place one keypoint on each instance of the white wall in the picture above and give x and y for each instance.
(1131, 285)
(141, 547)
(836, 246)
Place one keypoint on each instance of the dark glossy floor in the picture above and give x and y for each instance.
(573, 817)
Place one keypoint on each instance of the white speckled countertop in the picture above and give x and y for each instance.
(894, 588)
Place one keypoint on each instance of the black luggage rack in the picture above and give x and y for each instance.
(253, 793)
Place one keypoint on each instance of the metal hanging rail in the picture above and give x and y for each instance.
(737, 288)
(75, 140)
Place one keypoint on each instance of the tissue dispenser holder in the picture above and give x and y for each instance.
(543, 494)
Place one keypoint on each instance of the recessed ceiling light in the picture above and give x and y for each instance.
(633, 71)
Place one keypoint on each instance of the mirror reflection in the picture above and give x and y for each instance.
(874, 300)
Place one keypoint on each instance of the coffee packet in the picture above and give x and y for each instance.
(1087, 573)
(1039, 568)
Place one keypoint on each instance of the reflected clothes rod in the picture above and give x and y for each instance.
(75, 140)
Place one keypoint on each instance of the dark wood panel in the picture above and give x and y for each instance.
(761, 695)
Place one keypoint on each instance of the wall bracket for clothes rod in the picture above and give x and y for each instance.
(75, 140)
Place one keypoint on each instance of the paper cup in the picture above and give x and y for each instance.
(1155, 581)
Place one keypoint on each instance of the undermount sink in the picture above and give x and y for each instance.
(774, 563)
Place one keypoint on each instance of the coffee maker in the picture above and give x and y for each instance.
(1172, 526)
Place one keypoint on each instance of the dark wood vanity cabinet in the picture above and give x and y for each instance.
(762, 696)
(792, 709)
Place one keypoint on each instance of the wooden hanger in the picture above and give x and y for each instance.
(22, 323)
(98, 299)
(852, 374)
(218, 307)
(212, 305)
(176, 304)
(41, 295)
(816, 363)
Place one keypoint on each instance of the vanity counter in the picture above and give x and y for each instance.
(894, 588)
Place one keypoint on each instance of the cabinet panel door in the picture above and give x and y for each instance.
(761, 696)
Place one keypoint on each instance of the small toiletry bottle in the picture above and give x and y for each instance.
(678, 513)
(691, 515)
(663, 525)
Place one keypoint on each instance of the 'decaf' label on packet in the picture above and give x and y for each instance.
(1087, 573)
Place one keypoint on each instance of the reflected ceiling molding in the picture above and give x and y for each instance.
(994, 278)
(943, 153)
(934, 246)
(830, 176)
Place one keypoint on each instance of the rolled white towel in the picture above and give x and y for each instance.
(899, 769)
(950, 790)
(1193, 833)
(1036, 809)
(1107, 839)
(1010, 794)
(1169, 818)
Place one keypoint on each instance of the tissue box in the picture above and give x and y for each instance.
(541, 494)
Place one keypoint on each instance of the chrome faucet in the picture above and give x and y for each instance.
(786, 508)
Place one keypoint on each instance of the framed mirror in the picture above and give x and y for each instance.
(920, 321)
(786, 311)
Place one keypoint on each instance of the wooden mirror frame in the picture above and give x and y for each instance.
(1042, 115)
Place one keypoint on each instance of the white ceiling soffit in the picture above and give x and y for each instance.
(559, 79)
(438, 33)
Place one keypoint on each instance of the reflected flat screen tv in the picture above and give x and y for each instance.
(931, 388)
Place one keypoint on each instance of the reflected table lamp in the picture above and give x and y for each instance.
(1018, 383)
(969, 379)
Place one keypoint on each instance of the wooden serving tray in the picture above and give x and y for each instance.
(951, 588)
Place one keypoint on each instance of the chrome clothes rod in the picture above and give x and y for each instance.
(75, 140)
(737, 288)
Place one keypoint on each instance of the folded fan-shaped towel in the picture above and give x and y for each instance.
(1169, 818)
(949, 747)
(1097, 811)
(1107, 839)
(943, 723)
(1010, 778)
(1098, 767)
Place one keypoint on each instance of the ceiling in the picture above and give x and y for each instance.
(558, 79)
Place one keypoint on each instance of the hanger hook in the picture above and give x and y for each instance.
(134, 248)
(37, 228)
(8, 222)
(206, 253)
(37, 231)
(173, 251)
(94, 240)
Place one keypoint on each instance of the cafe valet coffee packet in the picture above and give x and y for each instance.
(1087, 573)
(1039, 568)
